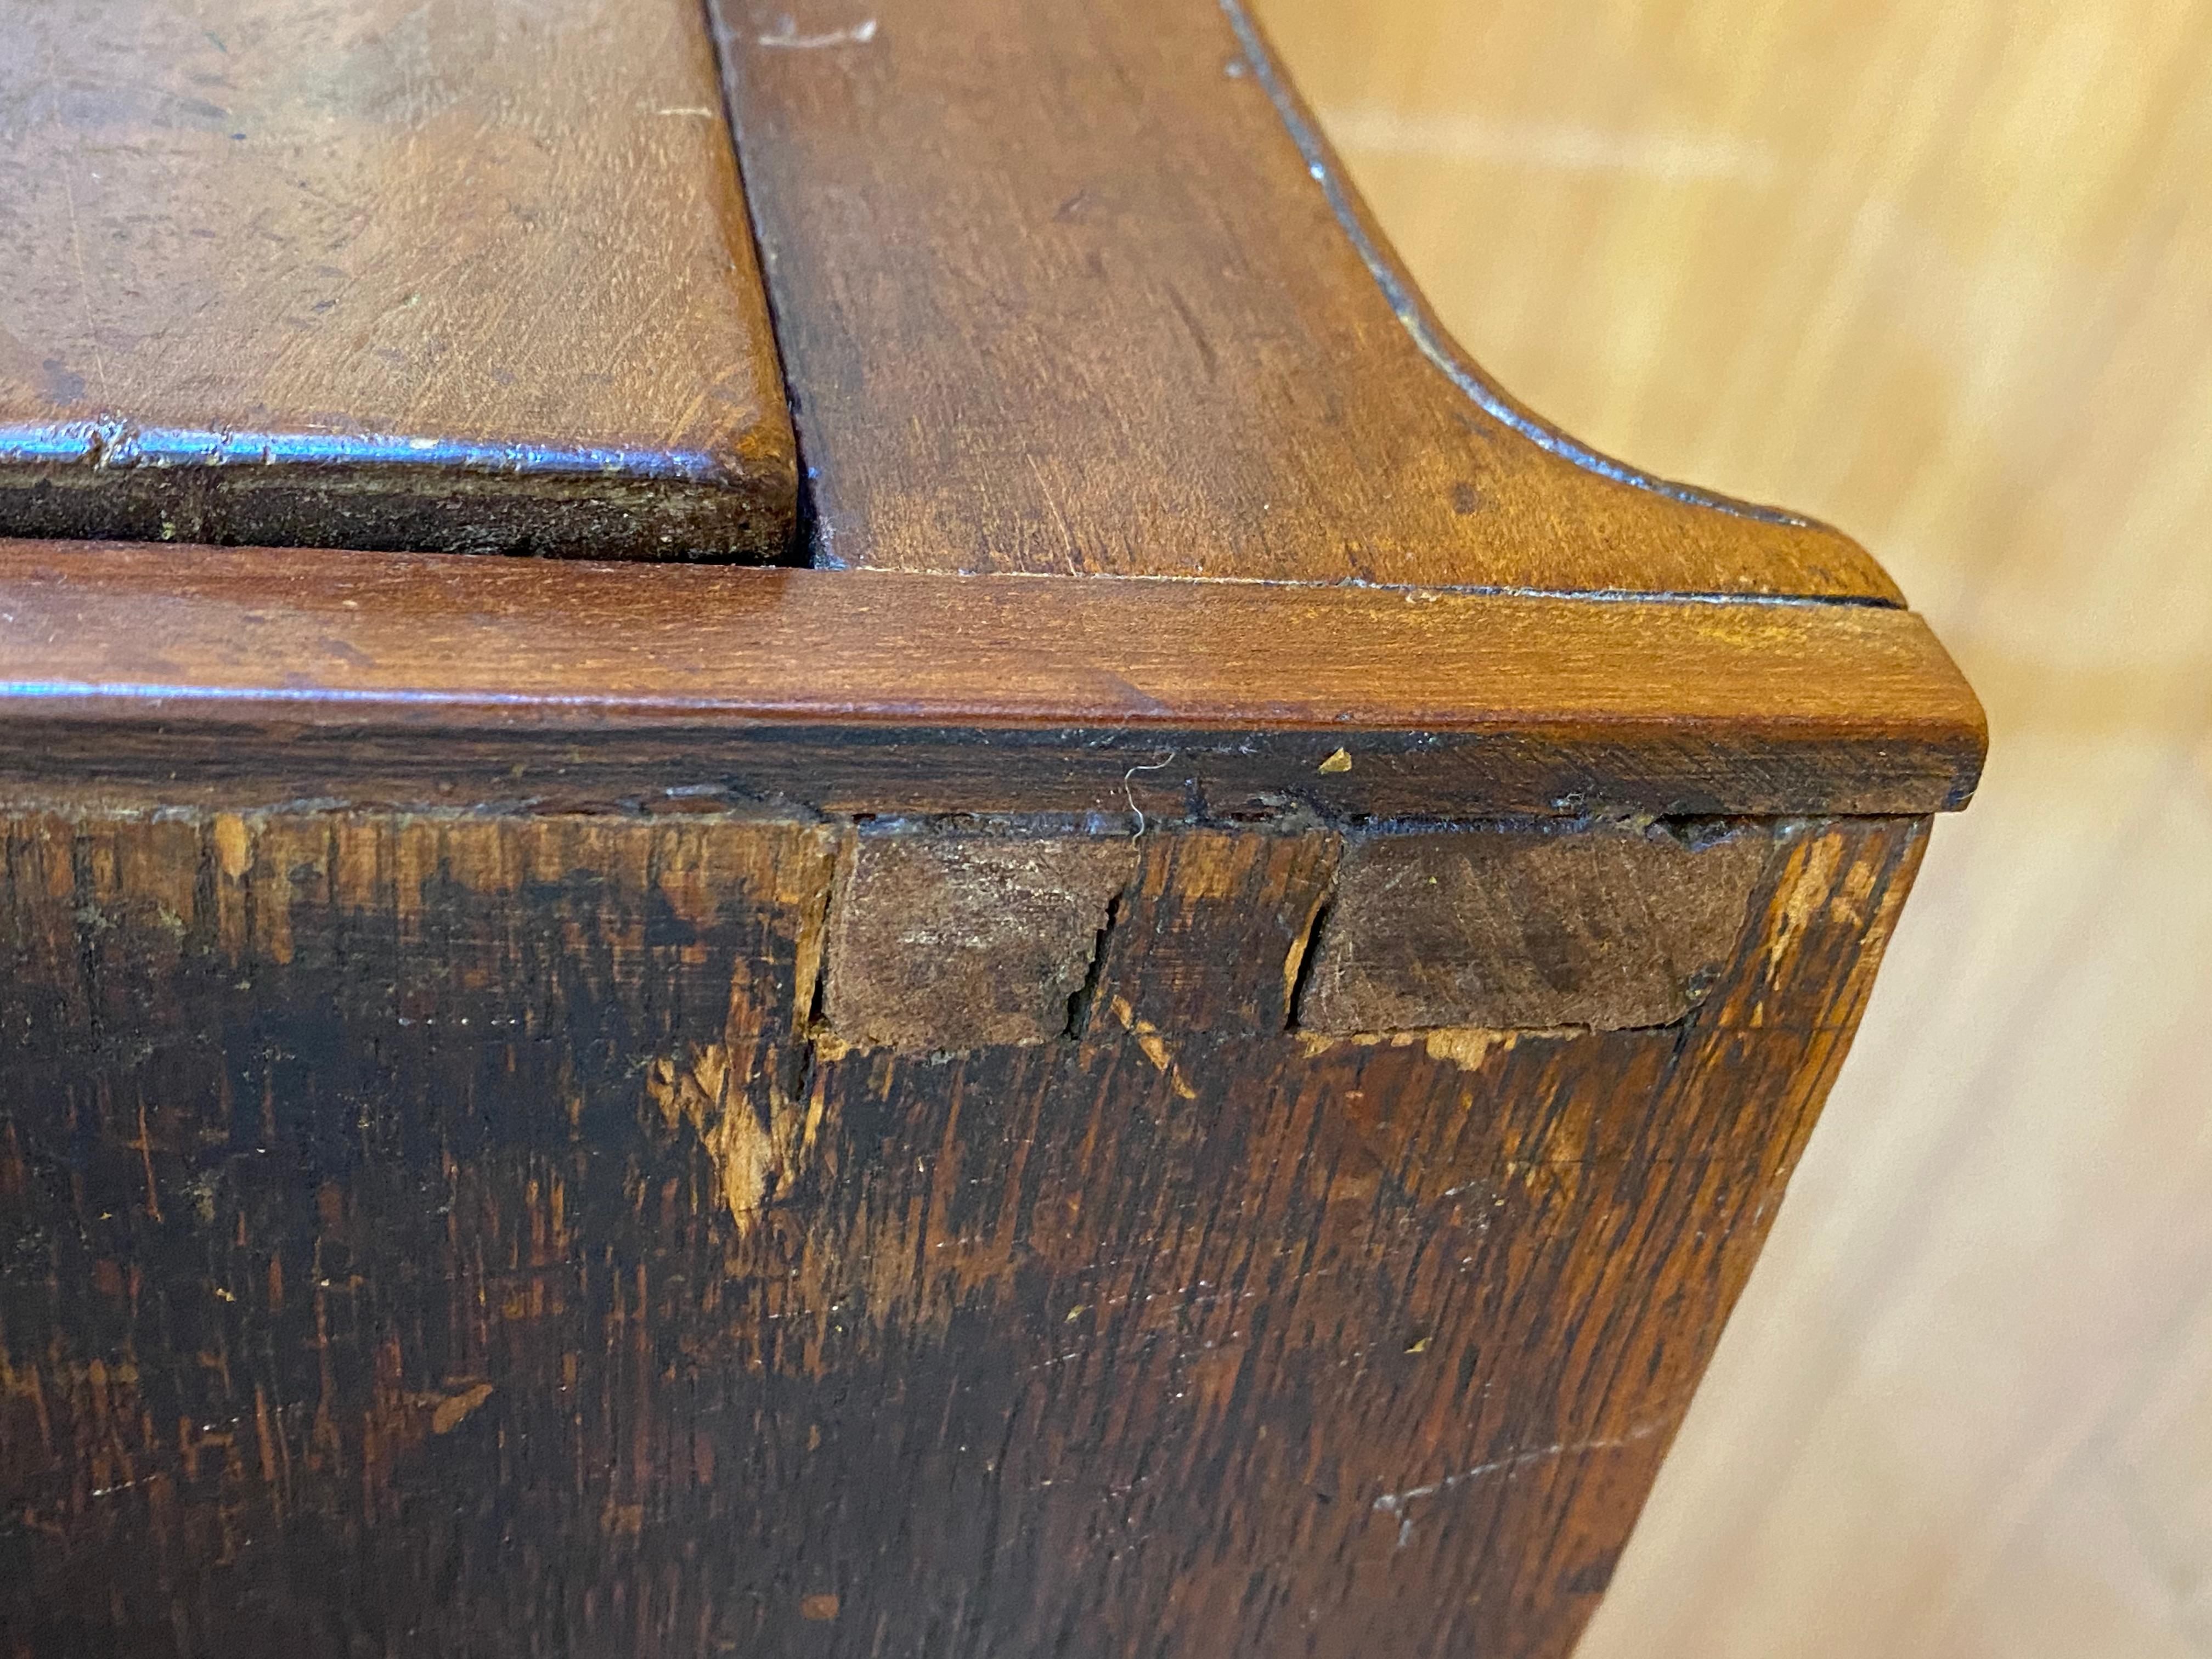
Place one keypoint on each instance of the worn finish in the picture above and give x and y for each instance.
(1064, 291)
(573, 1110)
(945, 940)
(471, 277)
(232, 675)
(1944, 273)
(1605, 927)
(1213, 932)
(448, 1233)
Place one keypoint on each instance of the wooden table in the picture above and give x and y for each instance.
(1169, 1033)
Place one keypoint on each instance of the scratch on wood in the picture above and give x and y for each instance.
(1813, 881)
(1464, 1046)
(1398, 1503)
(754, 1153)
(1154, 1047)
(448, 1412)
(786, 36)
(233, 847)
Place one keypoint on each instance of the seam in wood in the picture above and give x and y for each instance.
(1297, 967)
(1397, 1502)
(1080, 1002)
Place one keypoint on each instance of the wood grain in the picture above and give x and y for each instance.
(1942, 274)
(1080, 291)
(944, 940)
(447, 1234)
(481, 1173)
(1212, 933)
(1507, 928)
(470, 276)
(209, 668)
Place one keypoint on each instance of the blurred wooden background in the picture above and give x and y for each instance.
(1939, 272)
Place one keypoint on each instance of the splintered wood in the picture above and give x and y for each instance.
(363, 1169)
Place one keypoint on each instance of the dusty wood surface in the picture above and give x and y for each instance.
(1078, 291)
(947, 941)
(223, 675)
(469, 277)
(1607, 927)
(449, 1234)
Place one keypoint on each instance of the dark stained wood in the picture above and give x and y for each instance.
(448, 1236)
(420, 678)
(1077, 289)
(991, 1100)
(1504, 927)
(471, 277)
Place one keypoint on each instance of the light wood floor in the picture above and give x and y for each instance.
(1941, 271)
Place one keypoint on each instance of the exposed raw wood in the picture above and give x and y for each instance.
(403, 1253)
(565, 1108)
(256, 673)
(1212, 934)
(1505, 927)
(1078, 291)
(944, 940)
(457, 276)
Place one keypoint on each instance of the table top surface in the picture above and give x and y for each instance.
(443, 276)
